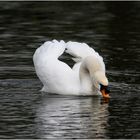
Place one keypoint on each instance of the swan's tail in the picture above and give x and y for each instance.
(79, 50)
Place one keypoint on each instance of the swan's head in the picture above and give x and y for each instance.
(94, 67)
(103, 83)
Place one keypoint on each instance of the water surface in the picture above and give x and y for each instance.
(25, 112)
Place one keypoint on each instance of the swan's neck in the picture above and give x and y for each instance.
(86, 74)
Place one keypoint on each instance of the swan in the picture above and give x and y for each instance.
(86, 77)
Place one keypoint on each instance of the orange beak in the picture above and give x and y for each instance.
(105, 94)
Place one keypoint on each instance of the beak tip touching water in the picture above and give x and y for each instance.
(105, 91)
(105, 94)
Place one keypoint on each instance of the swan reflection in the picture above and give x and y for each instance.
(71, 117)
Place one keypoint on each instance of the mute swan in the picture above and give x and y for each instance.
(87, 77)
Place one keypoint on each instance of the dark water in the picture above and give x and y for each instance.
(111, 28)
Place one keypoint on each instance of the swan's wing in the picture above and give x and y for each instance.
(56, 76)
(51, 49)
(80, 51)
(48, 52)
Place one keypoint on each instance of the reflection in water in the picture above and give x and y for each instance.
(71, 117)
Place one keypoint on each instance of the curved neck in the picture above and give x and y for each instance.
(87, 69)
(92, 73)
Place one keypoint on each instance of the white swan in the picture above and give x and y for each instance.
(87, 77)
